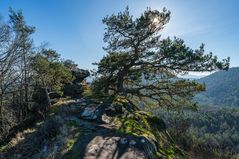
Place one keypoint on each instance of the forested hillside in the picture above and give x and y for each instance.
(222, 88)
(210, 132)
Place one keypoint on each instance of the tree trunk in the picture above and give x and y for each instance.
(120, 82)
(120, 88)
(21, 102)
(25, 79)
(1, 114)
(121, 76)
(48, 100)
(1, 107)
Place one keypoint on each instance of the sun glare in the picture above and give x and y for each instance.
(155, 20)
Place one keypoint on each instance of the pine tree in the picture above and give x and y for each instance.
(50, 73)
(140, 65)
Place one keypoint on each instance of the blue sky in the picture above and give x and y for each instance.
(74, 27)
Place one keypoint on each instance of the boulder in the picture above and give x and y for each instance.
(90, 113)
(80, 75)
(75, 89)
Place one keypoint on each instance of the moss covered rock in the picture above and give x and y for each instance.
(119, 130)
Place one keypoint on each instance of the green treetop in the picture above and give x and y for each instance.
(49, 72)
(140, 64)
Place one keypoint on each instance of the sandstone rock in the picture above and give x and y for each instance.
(142, 140)
(94, 139)
(90, 113)
(123, 140)
(132, 142)
(73, 90)
(80, 75)
(106, 118)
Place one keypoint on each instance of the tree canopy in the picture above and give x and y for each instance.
(141, 65)
(49, 72)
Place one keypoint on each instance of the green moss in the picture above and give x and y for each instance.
(120, 100)
(3, 147)
(133, 127)
(70, 151)
(138, 123)
(144, 124)
(71, 142)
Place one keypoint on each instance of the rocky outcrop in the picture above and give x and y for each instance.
(75, 89)
(84, 129)
(80, 75)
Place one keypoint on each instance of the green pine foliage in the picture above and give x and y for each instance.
(140, 64)
(49, 71)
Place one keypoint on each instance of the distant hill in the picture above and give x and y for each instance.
(192, 77)
(222, 88)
